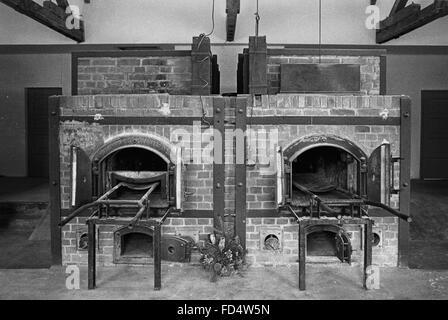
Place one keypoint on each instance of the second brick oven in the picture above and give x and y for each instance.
(338, 149)
(340, 141)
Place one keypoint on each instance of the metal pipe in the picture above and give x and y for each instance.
(137, 217)
(108, 193)
(75, 213)
(146, 195)
(314, 197)
(389, 209)
(131, 203)
(142, 203)
(293, 212)
(168, 211)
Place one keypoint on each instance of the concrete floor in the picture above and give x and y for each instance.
(19, 190)
(429, 210)
(429, 228)
(192, 283)
(24, 223)
(429, 252)
(24, 235)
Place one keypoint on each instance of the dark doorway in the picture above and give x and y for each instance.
(434, 151)
(37, 129)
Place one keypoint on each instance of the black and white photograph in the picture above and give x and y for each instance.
(224, 155)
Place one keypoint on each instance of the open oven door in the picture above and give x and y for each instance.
(378, 175)
(280, 179)
(81, 177)
(343, 247)
(179, 182)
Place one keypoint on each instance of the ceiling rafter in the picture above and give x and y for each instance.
(50, 14)
(405, 18)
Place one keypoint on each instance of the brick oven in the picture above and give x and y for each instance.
(118, 152)
(330, 155)
(97, 155)
(296, 173)
(341, 153)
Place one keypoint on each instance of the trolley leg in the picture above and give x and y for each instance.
(367, 249)
(302, 257)
(157, 257)
(92, 256)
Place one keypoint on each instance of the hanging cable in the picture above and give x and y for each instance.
(320, 31)
(257, 21)
(213, 22)
(203, 35)
(204, 115)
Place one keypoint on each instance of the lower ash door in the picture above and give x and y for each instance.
(133, 246)
(176, 249)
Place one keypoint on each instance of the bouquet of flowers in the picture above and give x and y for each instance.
(223, 257)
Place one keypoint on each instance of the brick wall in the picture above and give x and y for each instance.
(198, 177)
(370, 69)
(261, 185)
(385, 254)
(92, 135)
(134, 75)
(71, 254)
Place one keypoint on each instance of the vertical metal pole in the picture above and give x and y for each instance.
(91, 255)
(405, 183)
(157, 257)
(55, 187)
(367, 248)
(302, 256)
(219, 105)
(240, 170)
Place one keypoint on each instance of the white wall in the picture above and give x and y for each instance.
(176, 21)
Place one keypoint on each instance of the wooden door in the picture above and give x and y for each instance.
(37, 129)
(434, 145)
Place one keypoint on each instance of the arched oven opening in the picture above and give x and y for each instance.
(330, 172)
(331, 176)
(137, 168)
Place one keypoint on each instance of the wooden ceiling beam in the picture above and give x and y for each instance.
(232, 10)
(49, 15)
(410, 18)
(63, 4)
(412, 10)
(398, 5)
